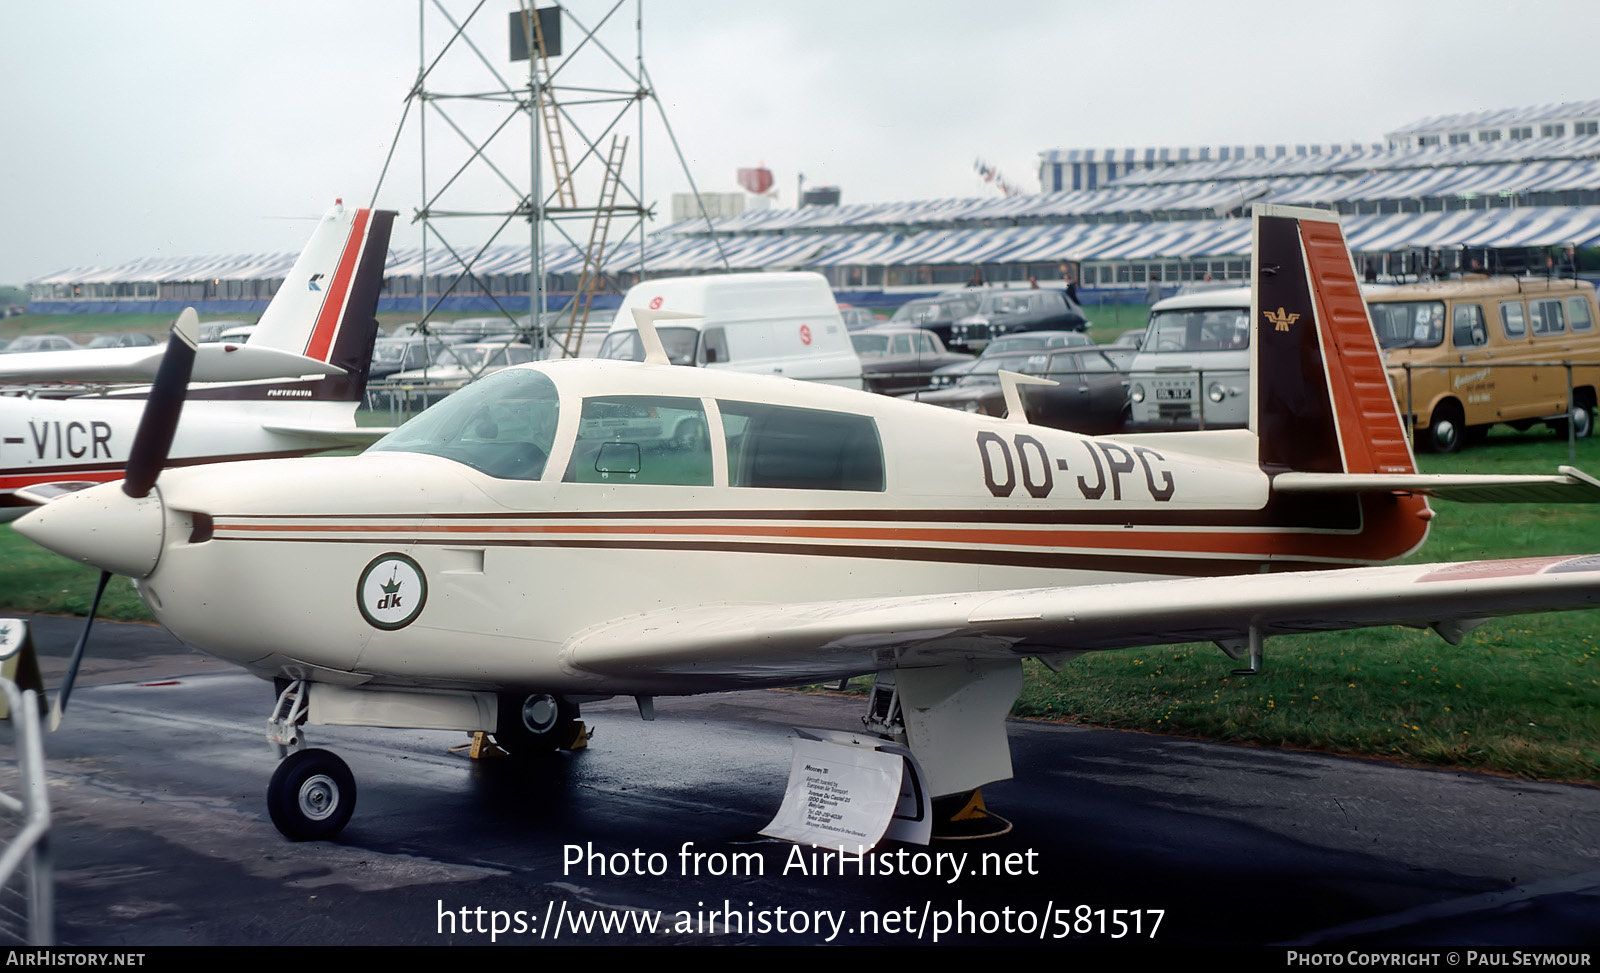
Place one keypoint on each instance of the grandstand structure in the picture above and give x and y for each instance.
(1161, 218)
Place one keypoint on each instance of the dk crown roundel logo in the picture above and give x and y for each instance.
(391, 591)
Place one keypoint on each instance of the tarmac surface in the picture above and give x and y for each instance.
(158, 781)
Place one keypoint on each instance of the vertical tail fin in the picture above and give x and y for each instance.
(1321, 401)
(327, 306)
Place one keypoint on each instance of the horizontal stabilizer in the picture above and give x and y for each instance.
(216, 362)
(1571, 486)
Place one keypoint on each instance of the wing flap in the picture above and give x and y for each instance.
(733, 646)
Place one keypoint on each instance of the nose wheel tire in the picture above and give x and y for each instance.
(312, 795)
(540, 722)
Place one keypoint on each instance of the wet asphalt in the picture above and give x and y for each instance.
(161, 836)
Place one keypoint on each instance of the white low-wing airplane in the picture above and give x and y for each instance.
(578, 529)
(318, 330)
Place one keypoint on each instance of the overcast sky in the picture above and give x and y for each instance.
(184, 127)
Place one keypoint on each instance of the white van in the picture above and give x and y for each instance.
(780, 324)
(1193, 370)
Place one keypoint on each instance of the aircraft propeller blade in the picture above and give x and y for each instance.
(160, 420)
(60, 705)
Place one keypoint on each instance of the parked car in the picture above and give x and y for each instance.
(1003, 312)
(391, 355)
(212, 330)
(897, 360)
(858, 318)
(1132, 338)
(127, 339)
(1027, 341)
(458, 365)
(1090, 396)
(39, 342)
(936, 314)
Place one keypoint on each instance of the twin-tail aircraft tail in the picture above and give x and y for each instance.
(325, 310)
(1321, 406)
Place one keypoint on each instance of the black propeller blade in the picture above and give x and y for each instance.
(71, 676)
(165, 404)
(151, 445)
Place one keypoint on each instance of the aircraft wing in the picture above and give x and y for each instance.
(735, 646)
(1571, 486)
(216, 362)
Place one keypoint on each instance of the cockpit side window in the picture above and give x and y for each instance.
(503, 425)
(800, 449)
(641, 439)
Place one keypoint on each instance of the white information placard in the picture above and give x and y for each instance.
(837, 795)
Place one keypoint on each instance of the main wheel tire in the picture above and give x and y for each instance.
(540, 722)
(312, 795)
(1447, 429)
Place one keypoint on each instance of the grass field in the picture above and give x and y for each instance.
(1518, 696)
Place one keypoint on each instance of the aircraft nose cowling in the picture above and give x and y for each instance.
(103, 527)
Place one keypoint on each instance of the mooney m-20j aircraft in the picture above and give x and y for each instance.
(570, 530)
(315, 338)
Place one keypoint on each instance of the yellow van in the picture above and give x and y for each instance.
(1465, 354)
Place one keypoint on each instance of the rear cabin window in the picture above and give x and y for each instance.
(800, 449)
(641, 439)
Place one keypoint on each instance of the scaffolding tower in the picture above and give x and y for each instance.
(583, 107)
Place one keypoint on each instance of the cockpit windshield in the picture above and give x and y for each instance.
(503, 425)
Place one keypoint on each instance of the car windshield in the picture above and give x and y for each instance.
(1408, 324)
(503, 426)
(1199, 329)
(679, 342)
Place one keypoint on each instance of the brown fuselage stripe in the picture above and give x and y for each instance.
(1109, 563)
(1238, 544)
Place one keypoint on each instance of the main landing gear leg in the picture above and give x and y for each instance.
(312, 793)
(953, 720)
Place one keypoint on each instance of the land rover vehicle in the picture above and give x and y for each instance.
(1193, 369)
(1465, 354)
